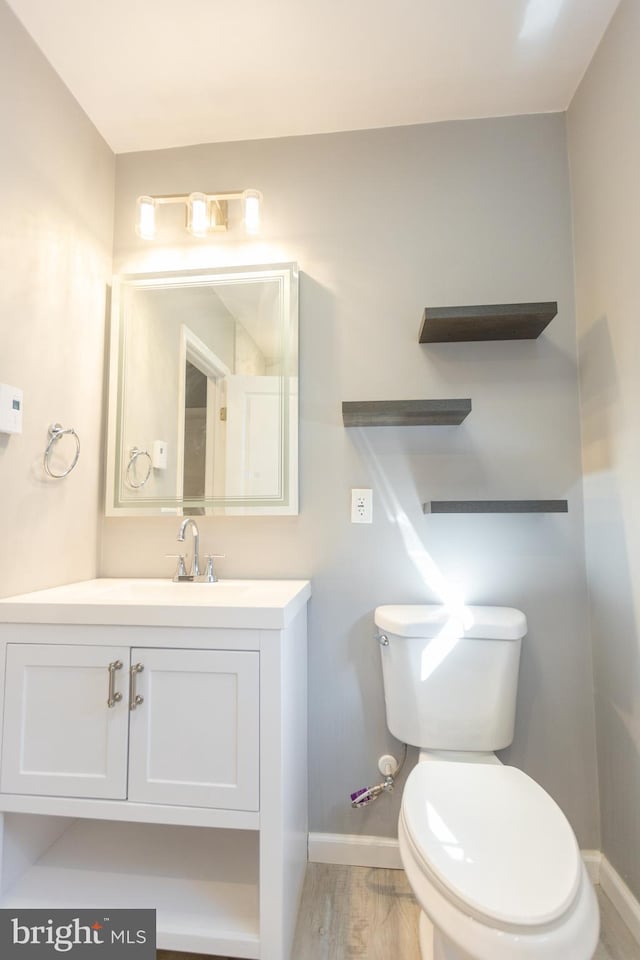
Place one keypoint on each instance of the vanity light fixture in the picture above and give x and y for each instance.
(198, 214)
(146, 220)
(206, 212)
(251, 210)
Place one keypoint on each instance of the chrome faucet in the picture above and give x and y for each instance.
(195, 566)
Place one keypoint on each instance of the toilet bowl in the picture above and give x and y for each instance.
(491, 858)
(494, 866)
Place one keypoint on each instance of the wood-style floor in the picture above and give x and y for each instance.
(361, 913)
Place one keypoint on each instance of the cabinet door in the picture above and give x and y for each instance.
(194, 739)
(60, 736)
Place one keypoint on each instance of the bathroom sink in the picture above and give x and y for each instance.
(166, 591)
(251, 604)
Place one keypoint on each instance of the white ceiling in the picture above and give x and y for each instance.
(161, 73)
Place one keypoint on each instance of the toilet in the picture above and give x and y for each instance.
(491, 858)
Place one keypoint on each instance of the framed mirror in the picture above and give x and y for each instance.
(203, 393)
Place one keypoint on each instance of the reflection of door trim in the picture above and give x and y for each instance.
(196, 351)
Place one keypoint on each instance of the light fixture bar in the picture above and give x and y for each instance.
(206, 212)
(219, 219)
(184, 197)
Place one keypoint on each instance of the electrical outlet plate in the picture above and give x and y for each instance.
(361, 505)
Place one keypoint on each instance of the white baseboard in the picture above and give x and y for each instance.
(592, 860)
(354, 851)
(621, 897)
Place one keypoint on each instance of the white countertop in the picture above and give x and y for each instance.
(243, 604)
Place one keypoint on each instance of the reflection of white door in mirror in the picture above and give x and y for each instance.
(257, 419)
(254, 420)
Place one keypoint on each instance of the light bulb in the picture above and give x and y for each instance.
(251, 200)
(198, 214)
(146, 222)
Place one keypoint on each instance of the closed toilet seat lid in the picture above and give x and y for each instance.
(494, 839)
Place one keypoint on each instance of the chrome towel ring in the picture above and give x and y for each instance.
(56, 431)
(130, 471)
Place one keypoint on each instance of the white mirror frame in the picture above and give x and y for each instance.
(191, 346)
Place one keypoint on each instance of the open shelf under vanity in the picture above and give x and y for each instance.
(204, 883)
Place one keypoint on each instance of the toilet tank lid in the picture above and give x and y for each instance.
(431, 620)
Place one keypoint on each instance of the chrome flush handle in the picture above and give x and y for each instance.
(113, 696)
(134, 698)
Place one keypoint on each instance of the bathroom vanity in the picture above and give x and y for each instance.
(154, 755)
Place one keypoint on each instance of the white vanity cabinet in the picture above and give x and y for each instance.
(187, 720)
(154, 755)
(60, 737)
(195, 738)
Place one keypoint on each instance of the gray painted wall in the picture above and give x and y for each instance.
(56, 223)
(604, 142)
(383, 223)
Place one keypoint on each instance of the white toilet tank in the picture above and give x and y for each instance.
(451, 679)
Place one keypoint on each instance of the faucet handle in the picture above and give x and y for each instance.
(210, 574)
(181, 570)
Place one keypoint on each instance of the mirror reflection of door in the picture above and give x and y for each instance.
(254, 421)
(195, 437)
(202, 424)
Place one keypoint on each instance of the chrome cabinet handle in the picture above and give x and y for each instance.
(134, 698)
(113, 696)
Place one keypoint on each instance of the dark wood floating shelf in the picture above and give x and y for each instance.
(404, 413)
(496, 506)
(501, 321)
